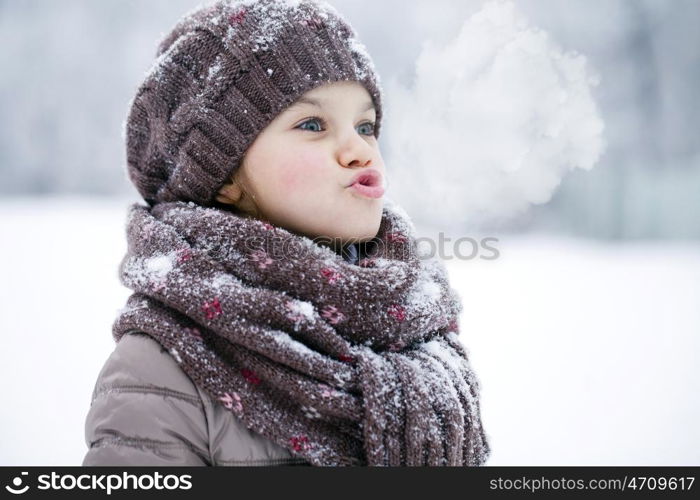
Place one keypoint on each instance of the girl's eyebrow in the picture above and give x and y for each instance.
(314, 102)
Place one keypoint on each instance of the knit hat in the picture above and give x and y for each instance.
(221, 76)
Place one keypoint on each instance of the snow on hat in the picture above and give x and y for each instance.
(221, 76)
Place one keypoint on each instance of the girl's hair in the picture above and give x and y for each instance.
(221, 76)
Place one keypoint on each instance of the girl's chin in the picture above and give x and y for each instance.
(351, 229)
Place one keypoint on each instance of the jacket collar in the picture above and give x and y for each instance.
(350, 253)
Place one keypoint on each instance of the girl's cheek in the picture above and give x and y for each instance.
(301, 174)
(289, 180)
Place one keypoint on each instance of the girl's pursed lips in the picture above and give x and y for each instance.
(370, 177)
(368, 183)
(368, 191)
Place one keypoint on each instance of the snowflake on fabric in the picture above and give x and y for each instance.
(260, 257)
(212, 309)
(333, 315)
(299, 443)
(330, 274)
(175, 354)
(396, 237)
(310, 412)
(232, 401)
(299, 312)
(397, 312)
(250, 376)
(328, 392)
(148, 231)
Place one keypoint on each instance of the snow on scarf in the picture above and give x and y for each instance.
(342, 364)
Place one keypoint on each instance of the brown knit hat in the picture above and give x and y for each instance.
(220, 77)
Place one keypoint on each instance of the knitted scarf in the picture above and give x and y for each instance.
(341, 364)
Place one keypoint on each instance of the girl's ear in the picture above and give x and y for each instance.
(230, 193)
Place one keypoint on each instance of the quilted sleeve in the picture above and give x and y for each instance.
(145, 410)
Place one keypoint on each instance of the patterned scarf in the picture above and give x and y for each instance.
(342, 364)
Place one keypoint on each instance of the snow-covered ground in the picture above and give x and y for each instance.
(587, 352)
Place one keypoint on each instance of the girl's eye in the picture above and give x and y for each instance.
(321, 123)
(370, 126)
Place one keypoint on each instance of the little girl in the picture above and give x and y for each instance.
(281, 313)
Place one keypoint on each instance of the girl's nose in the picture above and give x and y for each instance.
(355, 152)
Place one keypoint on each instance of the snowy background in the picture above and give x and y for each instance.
(566, 130)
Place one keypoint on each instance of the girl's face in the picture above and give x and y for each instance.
(298, 171)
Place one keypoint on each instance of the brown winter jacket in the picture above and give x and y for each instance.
(145, 410)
